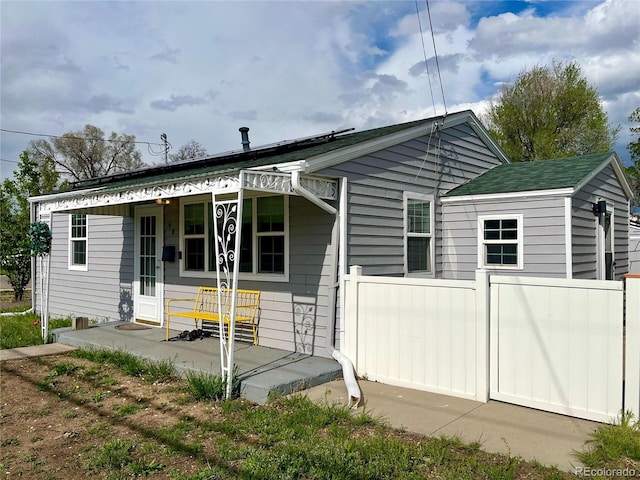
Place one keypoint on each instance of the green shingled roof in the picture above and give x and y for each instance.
(538, 175)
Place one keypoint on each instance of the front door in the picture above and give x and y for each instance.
(148, 267)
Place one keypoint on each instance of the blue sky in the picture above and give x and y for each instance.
(201, 70)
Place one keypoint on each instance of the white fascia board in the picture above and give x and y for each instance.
(488, 140)
(335, 157)
(56, 196)
(617, 168)
(622, 177)
(489, 197)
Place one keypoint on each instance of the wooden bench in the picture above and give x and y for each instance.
(204, 308)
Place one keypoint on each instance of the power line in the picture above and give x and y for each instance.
(433, 39)
(166, 145)
(77, 138)
(426, 64)
(10, 161)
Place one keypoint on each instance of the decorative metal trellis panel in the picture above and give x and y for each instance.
(227, 232)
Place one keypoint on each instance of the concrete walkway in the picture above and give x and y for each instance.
(549, 438)
(35, 351)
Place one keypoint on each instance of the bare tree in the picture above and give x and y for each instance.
(88, 154)
(189, 151)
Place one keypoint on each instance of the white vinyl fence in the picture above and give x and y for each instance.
(557, 345)
(416, 333)
(551, 344)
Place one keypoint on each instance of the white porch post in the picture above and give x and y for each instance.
(45, 276)
(227, 221)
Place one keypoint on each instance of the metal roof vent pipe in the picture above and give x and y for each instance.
(244, 132)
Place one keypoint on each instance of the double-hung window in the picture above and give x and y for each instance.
(419, 225)
(77, 242)
(263, 238)
(269, 214)
(500, 242)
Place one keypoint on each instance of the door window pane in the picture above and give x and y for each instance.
(148, 256)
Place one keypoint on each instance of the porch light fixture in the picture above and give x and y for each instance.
(599, 208)
(163, 201)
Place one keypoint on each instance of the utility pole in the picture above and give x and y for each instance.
(163, 137)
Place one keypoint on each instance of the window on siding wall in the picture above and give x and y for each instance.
(419, 244)
(500, 242)
(263, 243)
(78, 242)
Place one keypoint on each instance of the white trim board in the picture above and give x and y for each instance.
(489, 197)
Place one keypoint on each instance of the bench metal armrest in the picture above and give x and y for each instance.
(169, 302)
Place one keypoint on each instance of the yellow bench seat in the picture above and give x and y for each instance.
(204, 308)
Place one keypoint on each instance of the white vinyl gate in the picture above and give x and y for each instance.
(552, 344)
(557, 345)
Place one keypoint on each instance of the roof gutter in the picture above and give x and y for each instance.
(303, 192)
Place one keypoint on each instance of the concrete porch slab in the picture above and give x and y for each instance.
(262, 371)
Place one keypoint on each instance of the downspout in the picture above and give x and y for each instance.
(333, 283)
(348, 371)
(303, 192)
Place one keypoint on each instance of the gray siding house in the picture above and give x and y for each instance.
(125, 244)
(566, 218)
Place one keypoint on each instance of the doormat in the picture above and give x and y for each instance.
(132, 326)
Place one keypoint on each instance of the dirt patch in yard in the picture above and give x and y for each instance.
(69, 418)
(64, 417)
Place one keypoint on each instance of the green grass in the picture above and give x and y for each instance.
(20, 331)
(64, 368)
(115, 454)
(614, 444)
(150, 371)
(129, 409)
(210, 387)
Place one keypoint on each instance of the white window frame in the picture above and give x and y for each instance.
(269, 277)
(519, 242)
(431, 235)
(73, 266)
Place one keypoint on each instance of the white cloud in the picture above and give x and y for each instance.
(200, 70)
